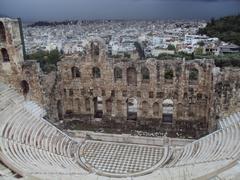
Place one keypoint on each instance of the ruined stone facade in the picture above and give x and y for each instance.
(149, 93)
(169, 95)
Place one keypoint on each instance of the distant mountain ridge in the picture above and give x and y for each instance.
(47, 23)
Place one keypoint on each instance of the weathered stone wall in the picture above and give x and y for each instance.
(25, 76)
(227, 92)
(191, 99)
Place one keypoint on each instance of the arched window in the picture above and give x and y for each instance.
(77, 105)
(132, 76)
(156, 109)
(75, 72)
(2, 33)
(167, 111)
(145, 108)
(145, 73)
(98, 107)
(25, 86)
(109, 106)
(5, 55)
(132, 109)
(193, 75)
(96, 72)
(117, 73)
(95, 49)
(168, 75)
(87, 105)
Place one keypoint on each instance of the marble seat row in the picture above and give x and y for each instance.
(220, 145)
(30, 142)
(229, 121)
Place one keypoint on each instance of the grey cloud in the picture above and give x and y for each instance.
(118, 9)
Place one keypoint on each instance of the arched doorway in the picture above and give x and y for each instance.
(155, 109)
(87, 105)
(77, 106)
(167, 111)
(132, 109)
(25, 87)
(109, 106)
(59, 110)
(145, 108)
(98, 107)
(132, 76)
(5, 55)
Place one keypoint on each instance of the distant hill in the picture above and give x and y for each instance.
(46, 23)
(226, 29)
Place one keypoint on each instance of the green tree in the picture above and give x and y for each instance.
(171, 47)
(47, 60)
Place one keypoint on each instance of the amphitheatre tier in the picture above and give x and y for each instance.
(33, 147)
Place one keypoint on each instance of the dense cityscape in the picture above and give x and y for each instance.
(154, 37)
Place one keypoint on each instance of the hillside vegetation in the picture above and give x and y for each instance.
(226, 29)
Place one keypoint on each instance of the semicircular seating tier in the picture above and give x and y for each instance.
(33, 147)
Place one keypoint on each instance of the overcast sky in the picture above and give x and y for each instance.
(32, 10)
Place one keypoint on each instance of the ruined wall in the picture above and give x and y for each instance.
(227, 91)
(185, 86)
(173, 95)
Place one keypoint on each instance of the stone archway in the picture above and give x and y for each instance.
(25, 87)
(132, 109)
(98, 107)
(167, 116)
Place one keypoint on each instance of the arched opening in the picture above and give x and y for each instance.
(117, 73)
(59, 110)
(180, 110)
(167, 111)
(168, 74)
(156, 109)
(193, 76)
(75, 72)
(5, 55)
(2, 33)
(77, 105)
(119, 107)
(132, 109)
(24, 86)
(87, 105)
(95, 49)
(96, 72)
(145, 74)
(109, 106)
(132, 76)
(145, 108)
(98, 107)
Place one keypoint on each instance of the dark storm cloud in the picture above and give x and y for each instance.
(118, 9)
